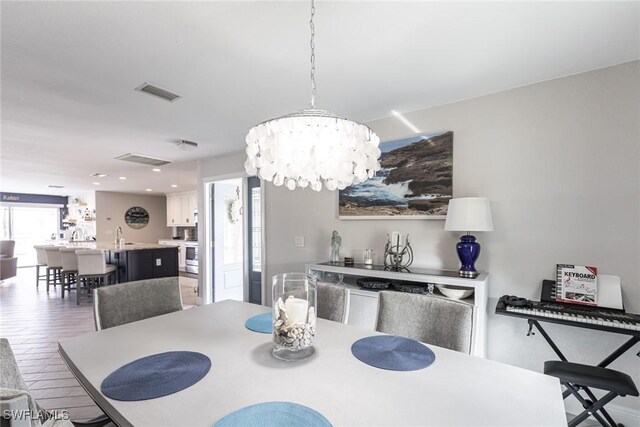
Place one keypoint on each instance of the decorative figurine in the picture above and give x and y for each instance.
(395, 251)
(336, 241)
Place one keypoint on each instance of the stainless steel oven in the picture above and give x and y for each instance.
(191, 257)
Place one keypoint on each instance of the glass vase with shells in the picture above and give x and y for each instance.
(294, 316)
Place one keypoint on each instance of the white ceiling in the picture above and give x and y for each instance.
(69, 70)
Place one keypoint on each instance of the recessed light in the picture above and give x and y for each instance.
(157, 91)
(96, 183)
(174, 185)
(99, 175)
(148, 189)
(122, 177)
(156, 170)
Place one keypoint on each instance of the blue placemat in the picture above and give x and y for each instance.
(156, 375)
(262, 323)
(393, 352)
(274, 414)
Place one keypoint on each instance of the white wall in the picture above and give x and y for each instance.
(560, 161)
(110, 210)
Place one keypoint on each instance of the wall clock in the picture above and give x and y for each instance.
(136, 217)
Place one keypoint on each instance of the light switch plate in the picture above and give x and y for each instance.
(158, 262)
(299, 241)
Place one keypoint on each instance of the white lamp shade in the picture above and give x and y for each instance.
(469, 214)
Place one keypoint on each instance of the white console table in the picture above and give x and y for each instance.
(363, 304)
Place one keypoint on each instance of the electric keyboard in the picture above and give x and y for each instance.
(572, 315)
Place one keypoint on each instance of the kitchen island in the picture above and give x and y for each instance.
(136, 261)
(140, 261)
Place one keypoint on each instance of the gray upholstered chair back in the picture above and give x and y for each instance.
(128, 302)
(7, 248)
(333, 302)
(429, 319)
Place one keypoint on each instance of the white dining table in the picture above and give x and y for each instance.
(456, 390)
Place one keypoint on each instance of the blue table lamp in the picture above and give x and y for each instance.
(468, 214)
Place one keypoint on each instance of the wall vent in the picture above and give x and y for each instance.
(157, 92)
(138, 158)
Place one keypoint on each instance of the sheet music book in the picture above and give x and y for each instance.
(577, 284)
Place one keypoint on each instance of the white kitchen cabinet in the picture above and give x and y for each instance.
(184, 210)
(193, 205)
(363, 304)
(181, 208)
(173, 210)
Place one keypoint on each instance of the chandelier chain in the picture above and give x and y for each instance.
(313, 56)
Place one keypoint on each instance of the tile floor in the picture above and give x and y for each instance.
(33, 321)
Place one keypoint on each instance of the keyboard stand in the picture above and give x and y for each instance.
(605, 362)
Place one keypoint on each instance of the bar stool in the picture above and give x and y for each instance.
(69, 269)
(41, 257)
(54, 265)
(93, 268)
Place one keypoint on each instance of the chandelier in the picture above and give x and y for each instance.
(312, 147)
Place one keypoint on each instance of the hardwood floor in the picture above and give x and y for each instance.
(33, 321)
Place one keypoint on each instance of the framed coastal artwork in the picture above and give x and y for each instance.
(415, 181)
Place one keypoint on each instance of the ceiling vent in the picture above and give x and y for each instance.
(186, 145)
(138, 158)
(56, 186)
(157, 92)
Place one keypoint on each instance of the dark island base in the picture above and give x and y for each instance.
(142, 264)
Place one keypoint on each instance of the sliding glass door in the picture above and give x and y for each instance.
(29, 226)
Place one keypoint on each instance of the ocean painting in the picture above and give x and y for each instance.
(415, 181)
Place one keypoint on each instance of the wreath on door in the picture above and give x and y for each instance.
(234, 208)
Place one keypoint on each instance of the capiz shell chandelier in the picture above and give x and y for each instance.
(312, 147)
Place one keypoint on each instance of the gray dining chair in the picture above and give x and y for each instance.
(429, 319)
(333, 302)
(128, 302)
(15, 396)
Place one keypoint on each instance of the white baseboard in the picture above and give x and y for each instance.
(620, 414)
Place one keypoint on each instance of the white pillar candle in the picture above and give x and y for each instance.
(395, 238)
(296, 310)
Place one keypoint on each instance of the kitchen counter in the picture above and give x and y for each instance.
(131, 246)
(111, 246)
